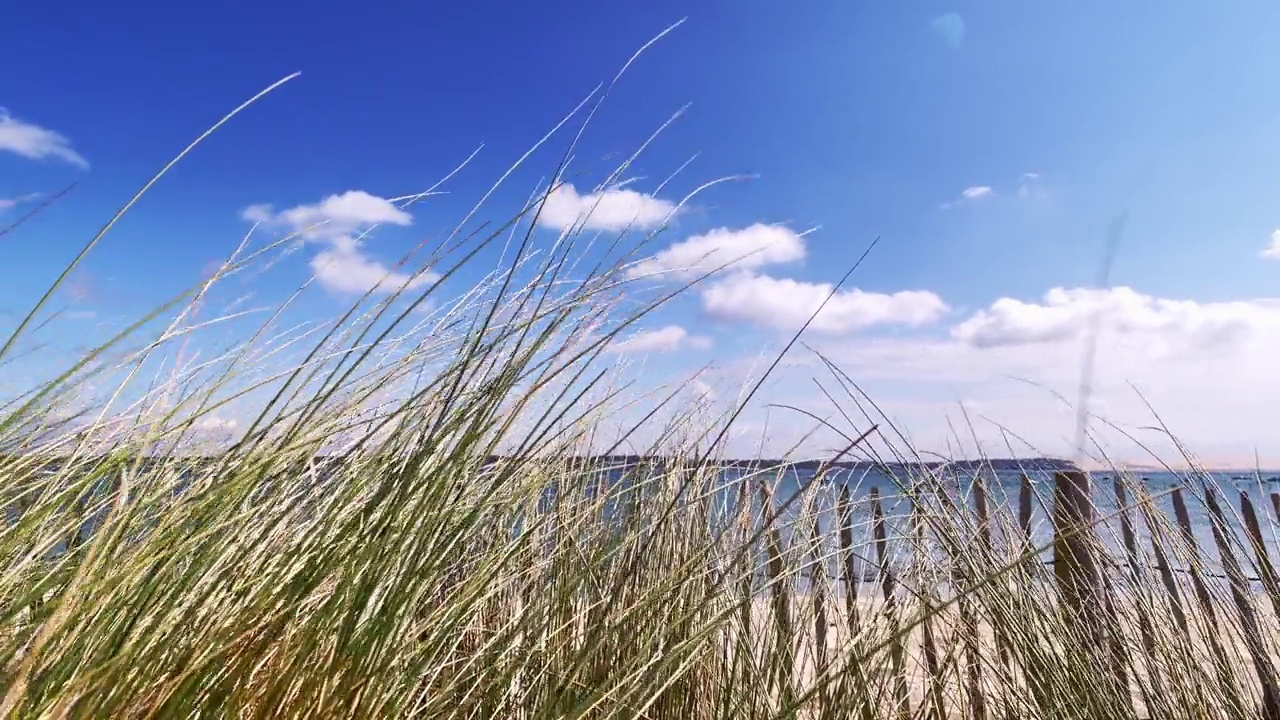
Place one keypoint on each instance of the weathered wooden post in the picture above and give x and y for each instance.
(849, 567)
(1024, 508)
(977, 699)
(780, 599)
(1221, 661)
(1270, 580)
(1240, 595)
(897, 650)
(1156, 696)
(1075, 566)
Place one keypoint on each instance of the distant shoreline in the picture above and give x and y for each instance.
(1034, 465)
(998, 464)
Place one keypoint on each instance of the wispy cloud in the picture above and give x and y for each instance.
(969, 195)
(1029, 184)
(36, 143)
(665, 339)
(1272, 251)
(81, 287)
(1030, 187)
(949, 27)
(336, 222)
(611, 210)
(9, 203)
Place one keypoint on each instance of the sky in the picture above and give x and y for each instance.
(993, 149)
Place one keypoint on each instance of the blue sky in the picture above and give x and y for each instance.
(988, 145)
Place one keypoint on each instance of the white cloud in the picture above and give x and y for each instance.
(213, 423)
(1207, 369)
(1272, 251)
(702, 389)
(665, 339)
(213, 430)
(746, 249)
(344, 269)
(336, 221)
(261, 213)
(1065, 313)
(786, 304)
(968, 195)
(335, 216)
(700, 342)
(36, 143)
(613, 209)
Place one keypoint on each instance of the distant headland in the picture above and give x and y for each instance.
(1036, 465)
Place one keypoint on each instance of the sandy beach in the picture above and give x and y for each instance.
(960, 686)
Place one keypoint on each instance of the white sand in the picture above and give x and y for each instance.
(876, 621)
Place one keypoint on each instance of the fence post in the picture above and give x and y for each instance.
(977, 699)
(897, 650)
(1270, 581)
(1130, 540)
(1024, 508)
(1074, 564)
(779, 599)
(849, 566)
(1240, 595)
(1080, 588)
(1221, 662)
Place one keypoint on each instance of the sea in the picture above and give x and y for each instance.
(1003, 488)
(796, 495)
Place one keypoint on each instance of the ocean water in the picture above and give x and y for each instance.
(1003, 490)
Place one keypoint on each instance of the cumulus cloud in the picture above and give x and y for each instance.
(344, 269)
(1272, 251)
(745, 249)
(336, 222)
(1064, 314)
(614, 209)
(968, 195)
(335, 216)
(786, 304)
(665, 339)
(36, 143)
(1207, 369)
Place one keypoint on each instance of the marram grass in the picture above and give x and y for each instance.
(404, 531)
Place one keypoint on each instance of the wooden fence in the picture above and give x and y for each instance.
(1080, 573)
